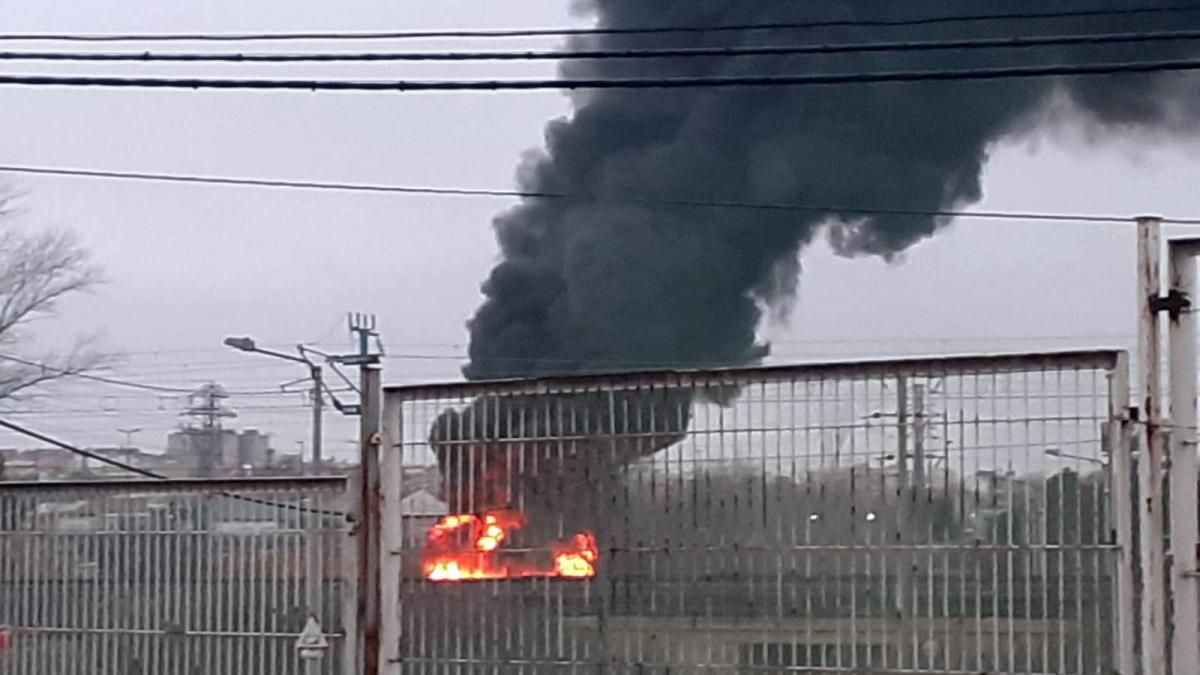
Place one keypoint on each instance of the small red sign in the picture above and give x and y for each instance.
(5, 639)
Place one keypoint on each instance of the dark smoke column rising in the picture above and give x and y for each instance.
(608, 284)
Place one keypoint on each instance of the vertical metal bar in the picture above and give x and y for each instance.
(883, 541)
(1150, 504)
(349, 586)
(901, 590)
(391, 534)
(368, 524)
(277, 574)
(978, 660)
(916, 520)
(947, 495)
(1185, 636)
(312, 575)
(852, 645)
(1032, 569)
(312, 537)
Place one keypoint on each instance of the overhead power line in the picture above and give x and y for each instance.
(570, 32)
(662, 363)
(531, 194)
(144, 412)
(79, 451)
(95, 378)
(116, 382)
(103, 459)
(599, 54)
(715, 82)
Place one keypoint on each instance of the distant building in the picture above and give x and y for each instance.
(229, 449)
(254, 448)
(233, 453)
(59, 464)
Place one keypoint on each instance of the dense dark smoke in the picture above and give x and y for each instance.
(540, 451)
(608, 284)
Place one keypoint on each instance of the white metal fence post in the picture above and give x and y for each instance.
(1150, 502)
(1121, 477)
(351, 655)
(1185, 642)
(391, 536)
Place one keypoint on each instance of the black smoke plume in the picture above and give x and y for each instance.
(607, 284)
(541, 451)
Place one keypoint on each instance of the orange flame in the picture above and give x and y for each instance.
(579, 562)
(449, 558)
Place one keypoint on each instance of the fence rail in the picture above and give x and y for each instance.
(927, 515)
(170, 577)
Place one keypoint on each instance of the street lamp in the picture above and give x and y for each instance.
(1054, 451)
(247, 344)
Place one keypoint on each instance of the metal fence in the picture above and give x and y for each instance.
(938, 515)
(171, 578)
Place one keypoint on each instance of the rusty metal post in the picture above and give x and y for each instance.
(1150, 479)
(1185, 528)
(369, 524)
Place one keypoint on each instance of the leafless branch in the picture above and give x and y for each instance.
(18, 379)
(37, 271)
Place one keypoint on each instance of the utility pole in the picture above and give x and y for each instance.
(210, 412)
(368, 509)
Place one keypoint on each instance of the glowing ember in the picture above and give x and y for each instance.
(467, 547)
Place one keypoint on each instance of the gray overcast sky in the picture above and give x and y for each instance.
(189, 265)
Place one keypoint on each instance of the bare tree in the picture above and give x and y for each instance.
(38, 270)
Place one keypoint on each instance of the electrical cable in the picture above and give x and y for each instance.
(141, 413)
(576, 32)
(95, 378)
(25, 431)
(400, 346)
(529, 194)
(710, 82)
(604, 54)
(121, 383)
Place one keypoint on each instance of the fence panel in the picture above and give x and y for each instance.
(179, 578)
(937, 515)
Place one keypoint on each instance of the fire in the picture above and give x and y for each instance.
(467, 547)
(578, 562)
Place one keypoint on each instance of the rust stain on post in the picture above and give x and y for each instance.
(1152, 545)
(369, 525)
